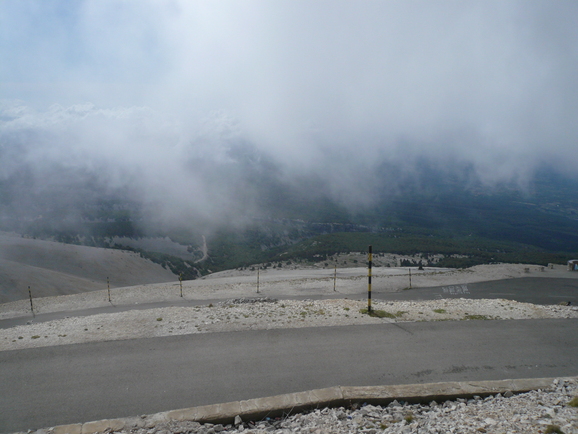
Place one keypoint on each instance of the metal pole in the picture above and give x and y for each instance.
(334, 277)
(108, 286)
(31, 306)
(257, 280)
(369, 280)
(181, 283)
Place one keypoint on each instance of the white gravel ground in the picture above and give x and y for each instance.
(232, 315)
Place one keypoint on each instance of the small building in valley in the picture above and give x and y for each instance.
(573, 265)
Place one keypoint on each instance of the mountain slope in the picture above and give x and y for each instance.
(51, 268)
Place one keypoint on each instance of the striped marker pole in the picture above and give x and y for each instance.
(108, 286)
(31, 306)
(369, 280)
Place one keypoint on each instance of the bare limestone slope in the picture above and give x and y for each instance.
(51, 268)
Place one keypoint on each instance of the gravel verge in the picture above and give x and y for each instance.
(552, 409)
(533, 412)
(250, 314)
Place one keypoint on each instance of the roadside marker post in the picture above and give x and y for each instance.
(108, 286)
(181, 282)
(370, 260)
(334, 278)
(31, 306)
(409, 269)
(258, 280)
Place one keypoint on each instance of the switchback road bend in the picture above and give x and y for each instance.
(527, 290)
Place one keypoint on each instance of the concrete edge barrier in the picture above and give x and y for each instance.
(284, 405)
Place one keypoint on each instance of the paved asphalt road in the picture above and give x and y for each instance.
(535, 290)
(43, 387)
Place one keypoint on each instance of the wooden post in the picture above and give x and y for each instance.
(334, 278)
(258, 280)
(181, 282)
(108, 286)
(370, 257)
(31, 306)
(409, 269)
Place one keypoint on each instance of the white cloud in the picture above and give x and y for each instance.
(331, 88)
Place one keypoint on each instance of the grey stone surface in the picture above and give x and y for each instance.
(68, 429)
(509, 406)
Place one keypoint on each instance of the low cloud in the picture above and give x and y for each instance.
(187, 104)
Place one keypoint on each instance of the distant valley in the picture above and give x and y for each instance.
(437, 216)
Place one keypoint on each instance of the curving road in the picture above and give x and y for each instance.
(65, 384)
(536, 290)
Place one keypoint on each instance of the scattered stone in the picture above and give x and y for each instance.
(531, 412)
(246, 300)
(250, 313)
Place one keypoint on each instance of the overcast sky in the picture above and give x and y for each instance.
(329, 86)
